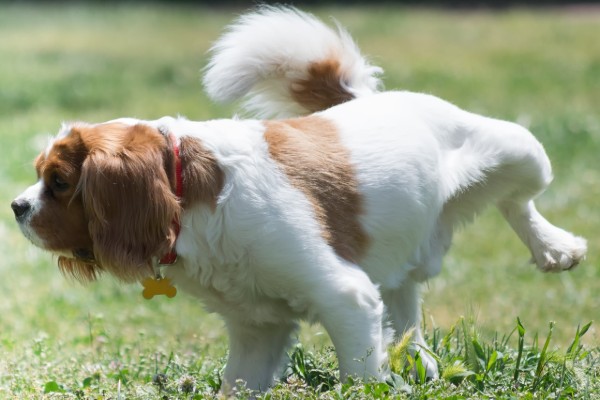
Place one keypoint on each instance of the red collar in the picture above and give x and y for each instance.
(171, 257)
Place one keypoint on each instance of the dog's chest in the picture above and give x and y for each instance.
(234, 294)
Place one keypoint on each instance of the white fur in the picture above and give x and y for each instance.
(32, 196)
(263, 53)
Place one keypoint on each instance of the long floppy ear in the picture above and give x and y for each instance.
(129, 203)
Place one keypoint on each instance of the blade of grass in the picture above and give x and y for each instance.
(543, 359)
(521, 331)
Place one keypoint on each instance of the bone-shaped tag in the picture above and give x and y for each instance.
(157, 286)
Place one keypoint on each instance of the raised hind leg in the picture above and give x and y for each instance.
(510, 168)
(553, 249)
(525, 174)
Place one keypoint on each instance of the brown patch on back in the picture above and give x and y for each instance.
(323, 88)
(203, 179)
(311, 155)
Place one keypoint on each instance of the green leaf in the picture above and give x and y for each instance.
(53, 387)
(421, 371)
(478, 349)
(521, 344)
(543, 359)
(492, 360)
(377, 390)
(585, 329)
(520, 327)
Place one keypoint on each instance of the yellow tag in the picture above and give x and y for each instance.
(158, 286)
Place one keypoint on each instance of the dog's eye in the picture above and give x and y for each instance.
(58, 184)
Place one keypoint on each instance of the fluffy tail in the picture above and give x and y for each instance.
(285, 62)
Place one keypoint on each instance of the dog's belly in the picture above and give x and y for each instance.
(401, 244)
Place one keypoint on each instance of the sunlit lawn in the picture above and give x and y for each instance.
(541, 68)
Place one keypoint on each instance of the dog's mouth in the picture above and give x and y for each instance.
(84, 255)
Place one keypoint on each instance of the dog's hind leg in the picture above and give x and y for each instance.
(403, 309)
(553, 249)
(525, 173)
(511, 170)
(255, 354)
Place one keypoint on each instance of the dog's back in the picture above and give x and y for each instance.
(286, 63)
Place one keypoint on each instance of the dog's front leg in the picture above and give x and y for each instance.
(255, 353)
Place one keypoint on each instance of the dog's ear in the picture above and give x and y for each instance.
(129, 203)
(79, 270)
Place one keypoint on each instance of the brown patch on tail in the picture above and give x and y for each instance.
(322, 88)
(311, 155)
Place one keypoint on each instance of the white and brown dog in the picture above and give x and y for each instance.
(334, 214)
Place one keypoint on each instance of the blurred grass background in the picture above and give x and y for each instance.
(93, 63)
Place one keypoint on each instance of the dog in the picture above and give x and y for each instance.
(333, 212)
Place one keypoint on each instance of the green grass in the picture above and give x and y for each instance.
(105, 341)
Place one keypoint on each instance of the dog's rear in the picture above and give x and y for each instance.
(287, 63)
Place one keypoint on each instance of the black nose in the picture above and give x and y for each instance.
(20, 207)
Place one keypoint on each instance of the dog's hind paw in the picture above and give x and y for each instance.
(559, 251)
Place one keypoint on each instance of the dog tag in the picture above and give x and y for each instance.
(157, 286)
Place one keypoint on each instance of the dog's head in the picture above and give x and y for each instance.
(103, 201)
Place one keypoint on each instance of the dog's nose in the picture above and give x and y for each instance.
(20, 207)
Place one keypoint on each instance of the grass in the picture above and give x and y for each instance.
(62, 340)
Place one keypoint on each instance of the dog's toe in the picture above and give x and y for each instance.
(562, 253)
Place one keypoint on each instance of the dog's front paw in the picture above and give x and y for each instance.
(559, 251)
